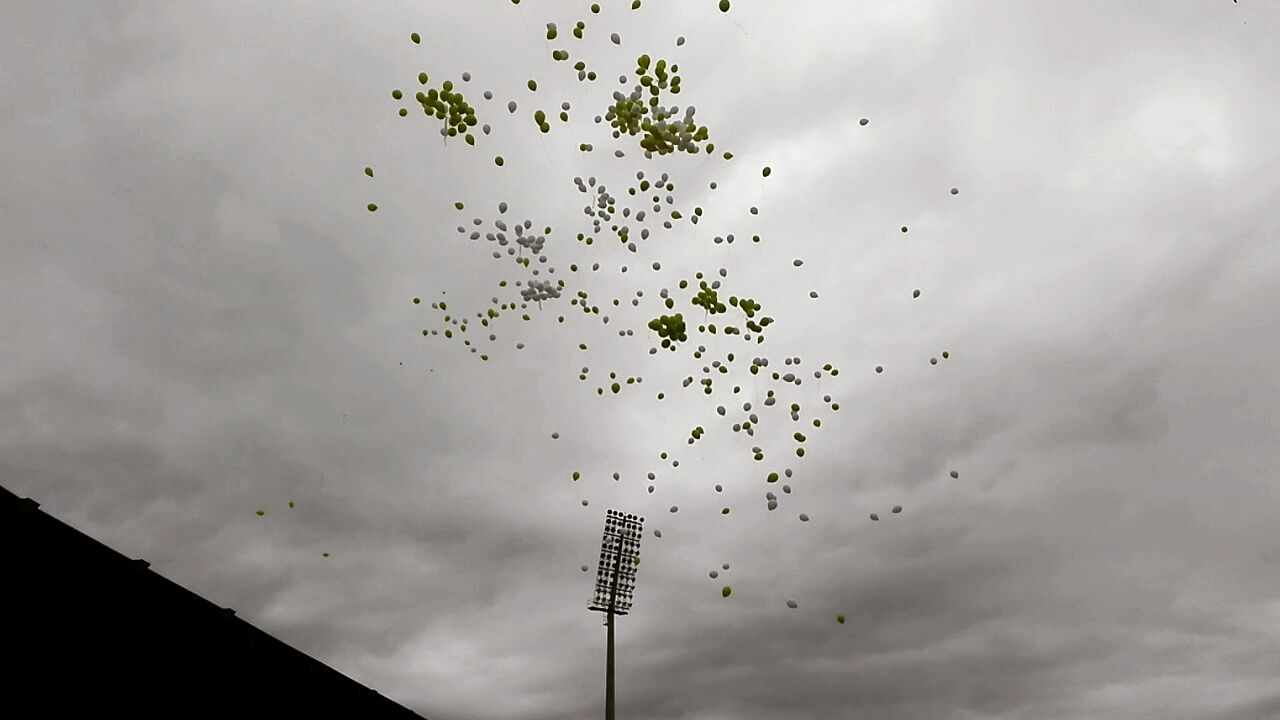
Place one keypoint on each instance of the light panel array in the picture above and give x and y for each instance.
(628, 528)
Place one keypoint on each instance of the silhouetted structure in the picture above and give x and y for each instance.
(615, 583)
(90, 633)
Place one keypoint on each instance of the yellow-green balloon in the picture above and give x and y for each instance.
(724, 592)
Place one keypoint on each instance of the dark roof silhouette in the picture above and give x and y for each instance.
(88, 630)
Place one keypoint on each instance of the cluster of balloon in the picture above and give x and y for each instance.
(632, 216)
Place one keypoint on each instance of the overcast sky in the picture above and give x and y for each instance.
(201, 319)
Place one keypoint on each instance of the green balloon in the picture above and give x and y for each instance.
(840, 619)
(416, 38)
(726, 590)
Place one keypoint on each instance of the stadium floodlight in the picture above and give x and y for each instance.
(616, 581)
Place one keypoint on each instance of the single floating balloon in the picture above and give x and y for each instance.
(945, 354)
(657, 533)
(955, 191)
(261, 513)
(879, 369)
(368, 171)
(416, 38)
(954, 474)
(897, 509)
(797, 262)
(324, 554)
(933, 361)
(372, 207)
(725, 591)
(792, 604)
(290, 503)
(915, 293)
(584, 503)
(724, 5)
(584, 568)
(875, 516)
(840, 619)
(863, 121)
(555, 436)
(713, 574)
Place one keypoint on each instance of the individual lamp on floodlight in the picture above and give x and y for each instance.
(616, 581)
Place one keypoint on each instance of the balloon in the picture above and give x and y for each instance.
(954, 474)
(714, 574)
(875, 516)
(511, 106)
(584, 503)
(797, 262)
(674, 508)
(879, 369)
(724, 5)
(933, 361)
(804, 517)
(657, 533)
(897, 508)
(863, 121)
(616, 39)
(840, 619)
(724, 591)
(792, 604)
(555, 436)
(915, 293)
(416, 38)
(261, 513)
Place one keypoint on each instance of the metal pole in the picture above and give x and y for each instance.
(608, 667)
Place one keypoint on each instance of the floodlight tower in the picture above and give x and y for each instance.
(615, 582)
